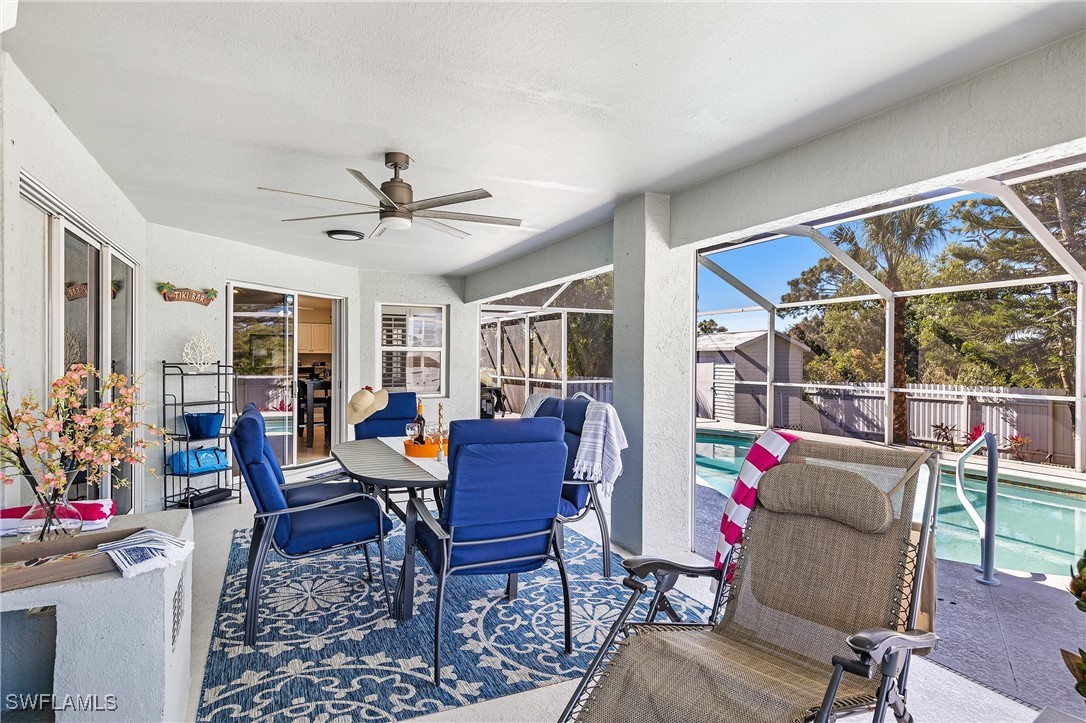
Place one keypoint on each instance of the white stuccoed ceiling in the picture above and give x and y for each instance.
(556, 109)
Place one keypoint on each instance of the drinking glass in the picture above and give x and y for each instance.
(411, 430)
(431, 432)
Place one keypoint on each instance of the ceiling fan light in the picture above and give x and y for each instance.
(396, 223)
(343, 235)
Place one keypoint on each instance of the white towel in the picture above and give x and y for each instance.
(145, 551)
(532, 404)
(599, 454)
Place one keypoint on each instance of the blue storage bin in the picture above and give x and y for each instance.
(204, 425)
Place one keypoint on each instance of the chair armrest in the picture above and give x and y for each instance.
(304, 483)
(316, 505)
(876, 643)
(645, 566)
(417, 510)
(573, 482)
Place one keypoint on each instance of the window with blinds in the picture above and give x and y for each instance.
(412, 349)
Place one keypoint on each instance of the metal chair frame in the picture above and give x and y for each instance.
(417, 512)
(264, 524)
(891, 649)
(592, 506)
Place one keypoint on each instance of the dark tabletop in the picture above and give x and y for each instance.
(373, 462)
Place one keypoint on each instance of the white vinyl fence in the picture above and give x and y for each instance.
(860, 411)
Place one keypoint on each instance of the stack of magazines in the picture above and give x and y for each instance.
(145, 551)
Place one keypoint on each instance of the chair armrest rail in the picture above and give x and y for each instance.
(417, 510)
(877, 643)
(314, 505)
(645, 566)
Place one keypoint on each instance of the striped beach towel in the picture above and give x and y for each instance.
(763, 455)
(599, 454)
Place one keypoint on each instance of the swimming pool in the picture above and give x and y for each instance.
(1036, 530)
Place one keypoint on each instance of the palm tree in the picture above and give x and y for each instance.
(895, 247)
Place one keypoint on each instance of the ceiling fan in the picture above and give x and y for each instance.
(397, 208)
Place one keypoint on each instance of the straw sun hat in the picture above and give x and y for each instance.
(364, 403)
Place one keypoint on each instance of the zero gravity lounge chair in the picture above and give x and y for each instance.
(822, 614)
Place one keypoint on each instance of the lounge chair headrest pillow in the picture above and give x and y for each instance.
(836, 494)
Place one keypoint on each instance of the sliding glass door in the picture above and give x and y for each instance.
(287, 350)
(92, 301)
(265, 361)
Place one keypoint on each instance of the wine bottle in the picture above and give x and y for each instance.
(420, 438)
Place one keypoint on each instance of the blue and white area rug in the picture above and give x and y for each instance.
(326, 649)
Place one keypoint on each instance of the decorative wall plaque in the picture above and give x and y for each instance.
(172, 293)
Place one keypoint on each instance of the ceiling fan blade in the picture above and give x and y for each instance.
(331, 215)
(474, 217)
(376, 191)
(444, 228)
(377, 231)
(448, 200)
(310, 195)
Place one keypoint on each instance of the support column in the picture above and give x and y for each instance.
(654, 378)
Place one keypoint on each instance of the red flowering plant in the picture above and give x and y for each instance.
(46, 444)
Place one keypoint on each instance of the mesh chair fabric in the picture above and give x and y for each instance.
(802, 584)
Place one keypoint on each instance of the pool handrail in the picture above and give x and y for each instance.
(987, 526)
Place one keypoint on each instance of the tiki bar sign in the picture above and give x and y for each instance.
(74, 291)
(172, 293)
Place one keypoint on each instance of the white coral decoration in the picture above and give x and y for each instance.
(199, 352)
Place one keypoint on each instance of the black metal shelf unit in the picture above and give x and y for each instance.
(184, 389)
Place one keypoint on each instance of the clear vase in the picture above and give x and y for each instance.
(54, 519)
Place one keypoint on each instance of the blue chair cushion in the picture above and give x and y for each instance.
(259, 467)
(533, 547)
(389, 422)
(567, 508)
(572, 413)
(505, 479)
(345, 523)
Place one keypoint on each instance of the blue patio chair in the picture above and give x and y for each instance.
(390, 421)
(299, 520)
(579, 498)
(501, 508)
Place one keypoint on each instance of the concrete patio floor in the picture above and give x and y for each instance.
(936, 693)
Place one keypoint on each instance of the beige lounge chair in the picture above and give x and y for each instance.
(828, 581)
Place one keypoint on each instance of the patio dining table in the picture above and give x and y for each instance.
(376, 465)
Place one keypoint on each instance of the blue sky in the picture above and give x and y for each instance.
(767, 268)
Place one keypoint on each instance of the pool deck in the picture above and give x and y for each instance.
(1063, 479)
(1008, 637)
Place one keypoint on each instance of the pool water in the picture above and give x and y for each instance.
(1036, 530)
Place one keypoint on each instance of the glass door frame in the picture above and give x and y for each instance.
(60, 226)
(339, 345)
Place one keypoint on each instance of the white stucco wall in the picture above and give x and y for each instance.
(654, 379)
(588, 250)
(36, 141)
(1026, 111)
(462, 380)
(199, 261)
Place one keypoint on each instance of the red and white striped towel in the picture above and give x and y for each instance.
(96, 515)
(766, 453)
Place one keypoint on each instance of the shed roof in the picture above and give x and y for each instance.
(731, 340)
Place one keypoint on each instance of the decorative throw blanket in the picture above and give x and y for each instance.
(146, 550)
(766, 453)
(599, 454)
(531, 405)
(96, 514)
